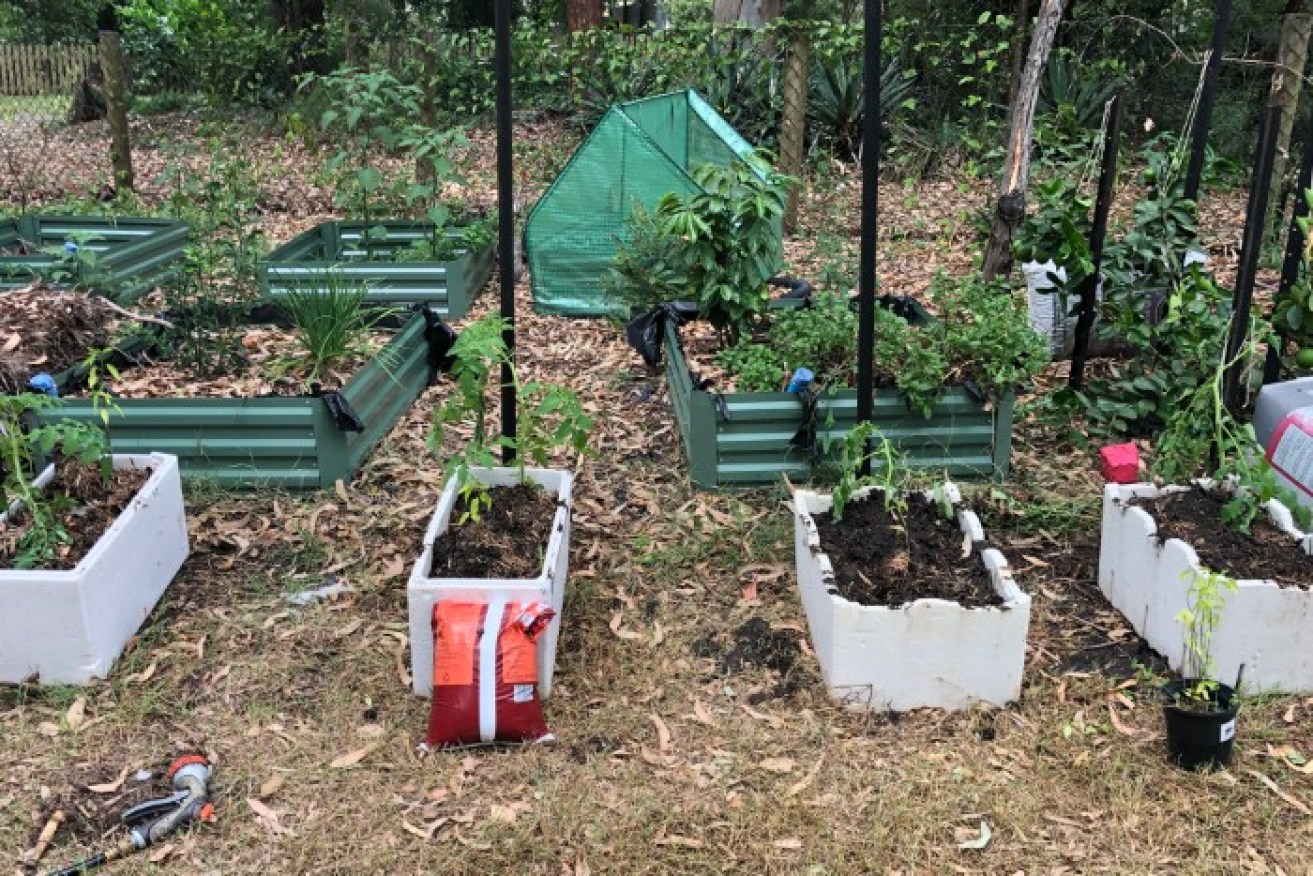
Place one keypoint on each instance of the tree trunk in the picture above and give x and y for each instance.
(1018, 49)
(116, 107)
(1011, 206)
(583, 15)
(754, 12)
(1292, 57)
(793, 120)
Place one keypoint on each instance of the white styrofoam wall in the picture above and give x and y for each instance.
(928, 653)
(1266, 627)
(423, 592)
(69, 626)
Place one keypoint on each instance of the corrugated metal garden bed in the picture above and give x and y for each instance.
(742, 439)
(339, 248)
(294, 442)
(131, 255)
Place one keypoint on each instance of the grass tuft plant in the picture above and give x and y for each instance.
(332, 322)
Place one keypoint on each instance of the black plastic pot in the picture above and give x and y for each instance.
(1199, 739)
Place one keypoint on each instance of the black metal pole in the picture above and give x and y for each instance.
(870, 208)
(506, 220)
(1203, 119)
(1098, 234)
(1251, 243)
(1294, 259)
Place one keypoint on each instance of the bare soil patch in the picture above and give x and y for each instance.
(1195, 517)
(92, 506)
(883, 558)
(507, 541)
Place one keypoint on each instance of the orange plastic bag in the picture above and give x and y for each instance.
(485, 687)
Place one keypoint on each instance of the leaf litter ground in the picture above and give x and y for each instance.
(671, 760)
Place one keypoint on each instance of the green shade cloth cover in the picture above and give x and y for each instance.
(638, 152)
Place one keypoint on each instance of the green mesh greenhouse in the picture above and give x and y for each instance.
(639, 151)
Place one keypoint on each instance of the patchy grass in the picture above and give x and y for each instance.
(684, 747)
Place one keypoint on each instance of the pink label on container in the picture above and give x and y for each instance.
(1290, 450)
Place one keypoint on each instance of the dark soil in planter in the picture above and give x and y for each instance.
(882, 560)
(92, 507)
(1195, 517)
(507, 541)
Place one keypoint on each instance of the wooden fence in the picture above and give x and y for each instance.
(33, 70)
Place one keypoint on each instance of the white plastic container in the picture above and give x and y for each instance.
(928, 653)
(423, 591)
(1048, 308)
(1266, 627)
(70, 626)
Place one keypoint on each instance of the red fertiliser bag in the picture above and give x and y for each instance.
(485, 674)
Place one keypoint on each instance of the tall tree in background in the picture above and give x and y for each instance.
(793, 116)
(1292, 58)
(1011, 206)
(754, 12)
(304, 21)
(583, 15)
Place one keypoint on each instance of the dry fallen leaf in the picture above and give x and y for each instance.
(673, 840)
(267, 815)
(271, 786)
(799, 787)
(1276, 789)
(76, 715)
(702, 714)
(47, 728)
(778, 764)
(789, 843)
(352, 758)
(498, 812)
(159, 855)
(111, 787)
(663, 733)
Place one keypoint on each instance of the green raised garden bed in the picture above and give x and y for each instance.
(450, 288)
(741, 439)
(290, 442)
(132, 255)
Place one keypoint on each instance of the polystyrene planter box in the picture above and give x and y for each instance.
(927, 653)
(548, 587)
(1264, 626)
(70, 626)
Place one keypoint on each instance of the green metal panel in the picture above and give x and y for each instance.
(744, 440)
(271, 442)
(450, 288)
(135, 254)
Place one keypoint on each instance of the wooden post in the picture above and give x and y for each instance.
(116, 103)
(794, 119)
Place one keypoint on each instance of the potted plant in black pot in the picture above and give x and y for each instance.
(1201, 711)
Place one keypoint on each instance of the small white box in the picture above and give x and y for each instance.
(423, 591)
(928, 653)
(70, 626)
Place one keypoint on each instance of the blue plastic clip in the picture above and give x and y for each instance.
(43, 382)
(801, 379)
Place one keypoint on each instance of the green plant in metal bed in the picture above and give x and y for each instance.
(33, 510)
(332, 322)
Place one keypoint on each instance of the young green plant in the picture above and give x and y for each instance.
(1200, 619)
(549, 416)
(20, 449)
(332, 322)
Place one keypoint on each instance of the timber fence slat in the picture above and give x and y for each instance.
(34, 70)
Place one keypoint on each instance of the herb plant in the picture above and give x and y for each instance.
(1207, 599)
(549, 416)
(20, 448)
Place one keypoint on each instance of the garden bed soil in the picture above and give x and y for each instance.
(881, 560)
(1195, 517)
(93, 507)
(48, 330)
(51, 330)
(507, 541)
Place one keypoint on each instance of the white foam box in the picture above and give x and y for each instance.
(70, 626)
(927, 653)
(1264, 626)
(548, 588)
